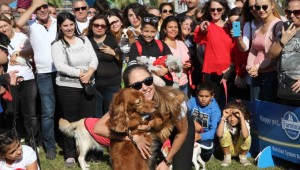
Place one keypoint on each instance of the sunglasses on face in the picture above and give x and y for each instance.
(258, 8)
(214, 9)
(150, 19)
(90, 12)
(102, 26)
(45, 6)
(166, 11)
(138, 85)
(290, 12)
(78, 9)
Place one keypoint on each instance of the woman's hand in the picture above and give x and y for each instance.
(143, 145)
(296, 86)
(253, 71)
(187, 64)
(162, 166)
(85, 77)
(13, 59)
(288, 34)
(161, 71)
(204, 26)
(106, 49)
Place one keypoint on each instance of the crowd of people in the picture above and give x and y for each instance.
(52, 57)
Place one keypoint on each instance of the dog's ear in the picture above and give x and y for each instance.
(117, 121)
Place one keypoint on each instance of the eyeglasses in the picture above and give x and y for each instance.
(150, 19)
(45, 6)
(82, 8)
(166, 11)
(214, 9)
(258, 8)
(290, 12)
(114, 22)
(138, 85)
(90, 12)
(102, 26)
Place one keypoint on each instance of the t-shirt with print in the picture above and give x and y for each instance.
(290, 57)
(29, 156)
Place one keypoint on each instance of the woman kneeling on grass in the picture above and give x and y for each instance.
(234, 132)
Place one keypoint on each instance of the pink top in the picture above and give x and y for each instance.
(181, 52)
(258, 54)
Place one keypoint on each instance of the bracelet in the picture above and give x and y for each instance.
(223, 119)
(168, 163)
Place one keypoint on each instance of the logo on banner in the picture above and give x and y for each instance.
(291, 125)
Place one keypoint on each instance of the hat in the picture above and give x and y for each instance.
(24, 4)
(4, 42)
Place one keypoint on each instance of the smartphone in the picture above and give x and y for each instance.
(236, 26)
(287, 24)
(100, 44)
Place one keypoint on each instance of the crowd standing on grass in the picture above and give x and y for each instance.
(198, 53)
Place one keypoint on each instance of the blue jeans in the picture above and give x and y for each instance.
(104, 97)
(264, 86)
(46, 85)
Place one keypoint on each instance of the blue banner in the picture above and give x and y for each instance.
(278, 126)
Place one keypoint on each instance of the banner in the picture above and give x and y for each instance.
(279, 127)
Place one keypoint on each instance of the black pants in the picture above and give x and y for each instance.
(74, 105)
(24, 101)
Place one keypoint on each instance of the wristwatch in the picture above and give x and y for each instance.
(168, 163)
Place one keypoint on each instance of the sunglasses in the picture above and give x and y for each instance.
(102, 26)
(166, 11)
(290, 12)
(90, 12)
(114, 22)
(150, 19)
(45, 6)
(138, 85)
(82, 8)
(214, 9)
(258, 8)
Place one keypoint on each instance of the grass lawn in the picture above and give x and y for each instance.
(58, 164)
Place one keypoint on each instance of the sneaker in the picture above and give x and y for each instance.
(244, 161)
(70, 162)
(51, 153)
(227, 161)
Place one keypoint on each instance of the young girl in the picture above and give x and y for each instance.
(234, 132)
(13, 155)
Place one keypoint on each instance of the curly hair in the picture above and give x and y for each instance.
(238, 104)
(7, 137)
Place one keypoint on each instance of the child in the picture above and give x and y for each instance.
(234, 132)
(206, 114)
(13, 155)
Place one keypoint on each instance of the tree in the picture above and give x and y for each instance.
(57, 3)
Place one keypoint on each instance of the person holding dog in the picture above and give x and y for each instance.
(206, 114)
(138, 77)
(234, 132)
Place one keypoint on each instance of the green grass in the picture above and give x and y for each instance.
(58, 164)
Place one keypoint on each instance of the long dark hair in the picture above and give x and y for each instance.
(90, 32)
(247, 15)
(139, 10)
(163, 35)
(62, 17)
(206, 14)
(7, 137)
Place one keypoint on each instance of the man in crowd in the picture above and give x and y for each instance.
(52, 10)
(80, 8)
(4, 8)
(41, 32)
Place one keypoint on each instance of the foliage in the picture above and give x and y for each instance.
(57, 3)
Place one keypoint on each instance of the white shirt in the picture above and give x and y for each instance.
(16, 44)
(41, 39)
(82, 25)
(29, 156)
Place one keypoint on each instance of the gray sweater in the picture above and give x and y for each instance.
(81, 56)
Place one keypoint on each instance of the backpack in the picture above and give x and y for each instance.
(140, 49)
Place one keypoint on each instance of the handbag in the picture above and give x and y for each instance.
(284, 90)
(90, 87)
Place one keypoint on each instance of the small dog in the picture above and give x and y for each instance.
(196, 155)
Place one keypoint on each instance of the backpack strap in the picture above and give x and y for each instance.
(160, 45)
(139, 47)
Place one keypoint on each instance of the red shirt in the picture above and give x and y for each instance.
(217, 50)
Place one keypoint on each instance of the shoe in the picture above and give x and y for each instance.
(70, 162)
(51, 153)
(244, 161)
(227, 161)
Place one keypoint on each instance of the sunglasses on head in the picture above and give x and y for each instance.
(82, 8)
(102, 26)
(214, 9)
(138, 85)
(258, 8)
(290, 12)
(45, 6)
(90, 12)
(150, 19)
(166, 11)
